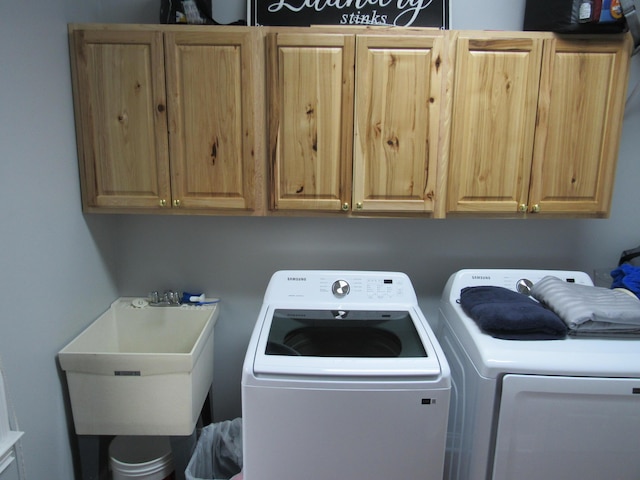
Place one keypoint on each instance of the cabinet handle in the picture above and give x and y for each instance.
(536, 208)
(345, 207)
(176, 203)
(522, 208)
(163, 202)
(359, 206)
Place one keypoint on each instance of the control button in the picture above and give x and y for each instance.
(340, 288)
(524, 286)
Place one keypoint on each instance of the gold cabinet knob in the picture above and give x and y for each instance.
(176, 203)
(522, 208)
(345, 207)
(536, 208)
(359, 206)
(163, 202)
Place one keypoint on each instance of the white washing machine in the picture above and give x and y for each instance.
(343, 378)
(551, 409)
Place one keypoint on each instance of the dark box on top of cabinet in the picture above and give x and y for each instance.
(574, 16)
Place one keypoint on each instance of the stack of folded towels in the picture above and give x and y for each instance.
(588, 310)
(561, 308)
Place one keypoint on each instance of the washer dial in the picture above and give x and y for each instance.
(340, 288)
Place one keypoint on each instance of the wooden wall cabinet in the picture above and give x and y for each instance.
(355, 143)
(357, 121)
(536, 122)
(165, 118)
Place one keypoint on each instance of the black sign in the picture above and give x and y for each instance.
(400, 13)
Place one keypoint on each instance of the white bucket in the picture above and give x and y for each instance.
(228, 11)
(141, 458)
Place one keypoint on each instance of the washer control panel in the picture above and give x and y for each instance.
(364, 288)
(371, 288)
(340, 286)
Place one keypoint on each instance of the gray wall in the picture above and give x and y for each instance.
(59, 269)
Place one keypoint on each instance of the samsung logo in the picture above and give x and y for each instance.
(480, 277)
(297, 279)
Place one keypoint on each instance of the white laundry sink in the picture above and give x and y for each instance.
(141, 371)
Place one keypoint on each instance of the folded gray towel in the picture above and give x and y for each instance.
(589, 310)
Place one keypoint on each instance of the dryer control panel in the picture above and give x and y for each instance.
(519, 280)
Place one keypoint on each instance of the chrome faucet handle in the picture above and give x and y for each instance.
(178, 297)
(168, 298)
(172, 298)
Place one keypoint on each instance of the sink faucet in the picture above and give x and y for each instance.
(167, 299)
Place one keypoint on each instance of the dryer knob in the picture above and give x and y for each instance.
(340, 288)
(524, 286)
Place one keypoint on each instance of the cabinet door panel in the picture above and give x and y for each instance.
(310, 120)
(210, 118)
(580, 121)
(396, 122)
(493, 123)
(121, 117)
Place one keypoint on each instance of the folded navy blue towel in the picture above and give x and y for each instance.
(503, 313)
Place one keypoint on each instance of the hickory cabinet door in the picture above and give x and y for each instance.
(310, 83)
(121, 118)
(211, 118)
(397, 103)
(493, 121)
(581, 105)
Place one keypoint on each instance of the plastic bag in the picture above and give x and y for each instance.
(195, 12)
(631, 256)
(218, 453)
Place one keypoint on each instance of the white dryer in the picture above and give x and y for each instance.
(343, 378)
(551, 409)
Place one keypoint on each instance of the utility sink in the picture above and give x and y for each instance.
(141, 370)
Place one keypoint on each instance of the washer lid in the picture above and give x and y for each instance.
(344, 342)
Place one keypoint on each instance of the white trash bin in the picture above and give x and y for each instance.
(141, 458)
